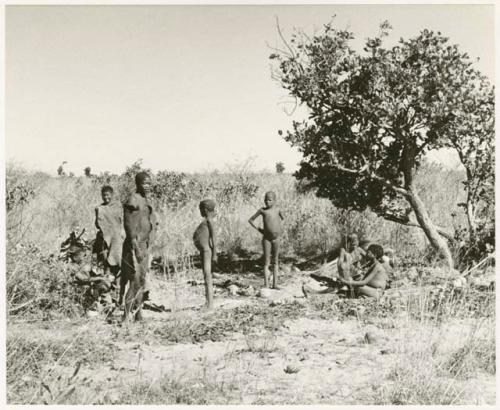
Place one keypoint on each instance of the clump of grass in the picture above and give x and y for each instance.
(34, 359)
(261, 343)
(165, 391)
(416, 377)
(40, 286)
(425, 372)
(216, 327)
(478, 353)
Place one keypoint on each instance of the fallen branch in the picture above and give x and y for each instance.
(18, 307)
(321, 268)
(468, 272)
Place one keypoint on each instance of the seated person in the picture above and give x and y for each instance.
(349, 263)
(375, 281)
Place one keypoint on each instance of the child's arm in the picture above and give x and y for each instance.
(371, 274)
(131, 230)
(253, 218)
(212, 241)
(96, 217)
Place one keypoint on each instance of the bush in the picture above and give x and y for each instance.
(39, 285)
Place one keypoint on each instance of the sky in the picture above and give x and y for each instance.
(185, 88)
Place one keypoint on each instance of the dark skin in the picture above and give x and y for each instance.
(205, 241)
(135, 291)
(271, 232)
(374, 281)
(107, 197)
(350, 260)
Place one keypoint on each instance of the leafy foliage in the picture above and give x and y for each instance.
(374, 115)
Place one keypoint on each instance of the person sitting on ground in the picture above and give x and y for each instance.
(109, 238)
(204, 240)
(375, 281)
(271, 232)
(350, 260)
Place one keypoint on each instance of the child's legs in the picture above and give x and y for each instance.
(275, 248)
(267, 248)
(123, 284)
(134, 296)
(368, 292)
(206, 256)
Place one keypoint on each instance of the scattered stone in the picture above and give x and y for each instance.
(233, 290)
(370, 338)
(459, 283)
(289, 369)
(294, 269)
(112, 397)
(249, 291)
(92, 314)
(265, 293)
(286, 269)
(412, 273)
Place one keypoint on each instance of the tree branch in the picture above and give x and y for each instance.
(439, 230)
(365, 171)
(292, 53)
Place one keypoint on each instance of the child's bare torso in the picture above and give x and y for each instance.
(272, 223)
(379, 281)
(201, 236)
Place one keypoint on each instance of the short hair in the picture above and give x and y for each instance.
(271, 193)
(141, 176)
(377, 250)
(208, 205)
(353, 237)
(107, 188)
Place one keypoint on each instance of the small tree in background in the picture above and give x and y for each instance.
(88, 172)
(60, 169)
(373, 116)
(280, 167)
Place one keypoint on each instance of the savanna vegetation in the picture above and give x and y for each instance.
(373, 117)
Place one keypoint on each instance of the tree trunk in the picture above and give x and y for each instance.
(471, 219)
(428, 227)
(423, 219)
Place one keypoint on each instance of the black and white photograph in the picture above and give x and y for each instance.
(259, 204)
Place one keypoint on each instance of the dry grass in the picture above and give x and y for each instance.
(426, 369)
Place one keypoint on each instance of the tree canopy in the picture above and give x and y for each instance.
(373, 115)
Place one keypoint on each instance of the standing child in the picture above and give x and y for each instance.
(204, 240)
(109, 224)
(139, 222)
(271, 232)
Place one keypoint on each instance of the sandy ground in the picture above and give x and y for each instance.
(306, 361)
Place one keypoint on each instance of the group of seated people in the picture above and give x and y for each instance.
(362, 272)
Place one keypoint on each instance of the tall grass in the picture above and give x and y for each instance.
(312, 225)
(42, 210)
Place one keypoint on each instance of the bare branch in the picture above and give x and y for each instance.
(439, 230)
(290, 49)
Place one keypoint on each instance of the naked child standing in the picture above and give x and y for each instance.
(271, 233)
(139, 222)
(205, 242)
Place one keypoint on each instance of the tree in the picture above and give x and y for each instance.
(280, 167)
(60, 169)
(473, 137)
(373, 116)
(88, 172)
